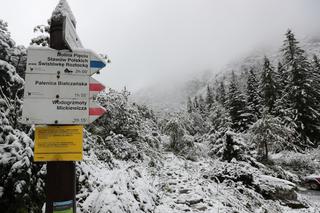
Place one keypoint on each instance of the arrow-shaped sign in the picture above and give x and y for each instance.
(57, 111)
(95, 87)
(52, 86)
(45, 60)
(95, 111)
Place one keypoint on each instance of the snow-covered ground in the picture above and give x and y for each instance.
(175, 185)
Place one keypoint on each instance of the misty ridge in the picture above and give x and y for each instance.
(171, 94)
(211, 107)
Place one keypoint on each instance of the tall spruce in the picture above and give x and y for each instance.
(302, 91)
(253, 96)
(268, 86)
(196, 103)
(281, 79)
(237, 106)
(209, 97)
(221, 94)
(202, 104)
(190, 106)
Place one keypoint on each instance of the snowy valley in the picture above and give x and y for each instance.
(240, 141)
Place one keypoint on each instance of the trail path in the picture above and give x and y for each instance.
(183, 187)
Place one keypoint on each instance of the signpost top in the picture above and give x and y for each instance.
(62, 10)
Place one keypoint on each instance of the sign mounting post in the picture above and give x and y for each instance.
(59, 92)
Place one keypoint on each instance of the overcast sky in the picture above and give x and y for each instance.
(152, 40)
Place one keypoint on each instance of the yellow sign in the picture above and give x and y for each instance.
(58, 143)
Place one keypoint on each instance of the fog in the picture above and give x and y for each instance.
(152, 41)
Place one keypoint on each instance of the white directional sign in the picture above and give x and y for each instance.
(61, 86)
(60, 111)
(59, 89)
(45, 60)
(70, 35)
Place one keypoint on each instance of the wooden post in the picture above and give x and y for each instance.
(61, 175)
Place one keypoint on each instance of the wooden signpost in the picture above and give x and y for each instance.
(59, 92)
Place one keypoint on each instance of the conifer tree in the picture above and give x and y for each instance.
(237, 106)
(268, 86)
(190, 107)
(196, 103)
(209, 97)
(202, 104)
(302, 91)
(253, 96)
(281, 78)
(316, 71)
(221, 94)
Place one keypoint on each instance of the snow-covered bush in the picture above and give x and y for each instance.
(122, 117)
(235, 171)
(11, 91)
(21, 180)
(300, 163)
(176, 131)
(229, 145)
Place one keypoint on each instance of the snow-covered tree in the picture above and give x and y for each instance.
(202, 105)
(176, 131)
(221, 94)
(253, 96)
(219, 118)
(190, 106)
(281, 79)
(237, 106)
(270, 135)
(21, 181)
(122, 117)
(209, 97)
(196, 102)
(268, 86)
(42, 36)
(6, 43)
(302, 92)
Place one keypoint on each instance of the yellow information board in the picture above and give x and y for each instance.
(58, 143)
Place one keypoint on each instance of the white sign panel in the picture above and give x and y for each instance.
(56, 86)
(60, 111)
(70, 35)
(45, 60)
